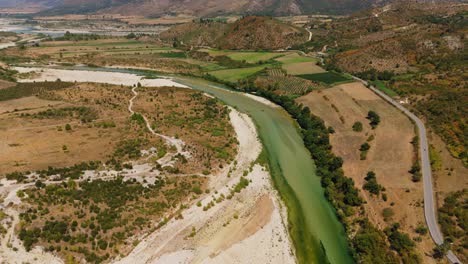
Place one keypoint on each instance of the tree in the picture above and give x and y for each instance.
(68, 127)
(39, 184)
(357, 126)
(371, 184)
(387, 213)
(131, 36)
(441, 250)
(420, 229)
(400, 242)
(370, 176)
(374, 119)
(364, 147)
(102, 244)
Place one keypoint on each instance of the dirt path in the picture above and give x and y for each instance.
(177, 143)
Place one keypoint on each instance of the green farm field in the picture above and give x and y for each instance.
(382, 87)
(294, 58)
(329, 78)
(97, 43)
(250, 57)
(233, 75)
(302, 68)
(296, 64)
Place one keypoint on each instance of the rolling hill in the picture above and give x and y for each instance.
(249, 33)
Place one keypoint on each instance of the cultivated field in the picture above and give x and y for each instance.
(328, 78)
(233, 75)
(250, 57)
(285, 85)
(302, 68)
(108, 52)
(296, 64)
(390, 156)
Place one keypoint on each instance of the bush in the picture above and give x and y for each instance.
(196, 189)
(357, 126)
(416, 177)
(416, 172)
(364, 147)
(440, 251)
(370, 245)
(387, 213)
(371, 184)
(374, 119)
(102, 244)
(400, 242)
(420, 229)
(138, 118)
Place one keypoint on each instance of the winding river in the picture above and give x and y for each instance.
(318, 235)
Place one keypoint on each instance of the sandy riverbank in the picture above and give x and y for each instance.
(117, 78)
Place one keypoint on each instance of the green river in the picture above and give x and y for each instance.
(319, 230)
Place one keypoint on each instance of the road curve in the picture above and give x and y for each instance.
(430, 212)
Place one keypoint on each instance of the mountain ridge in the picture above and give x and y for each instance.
(196, 7)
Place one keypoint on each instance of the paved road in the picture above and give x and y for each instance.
(430, 212)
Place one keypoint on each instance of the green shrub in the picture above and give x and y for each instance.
(357, 126)
(374, 119)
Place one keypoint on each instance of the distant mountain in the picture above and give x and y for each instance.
(201, 7)
(249, 33)
(26, 3)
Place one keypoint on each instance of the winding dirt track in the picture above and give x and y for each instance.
(177, 143)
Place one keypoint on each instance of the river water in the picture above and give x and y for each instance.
(320, 231)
